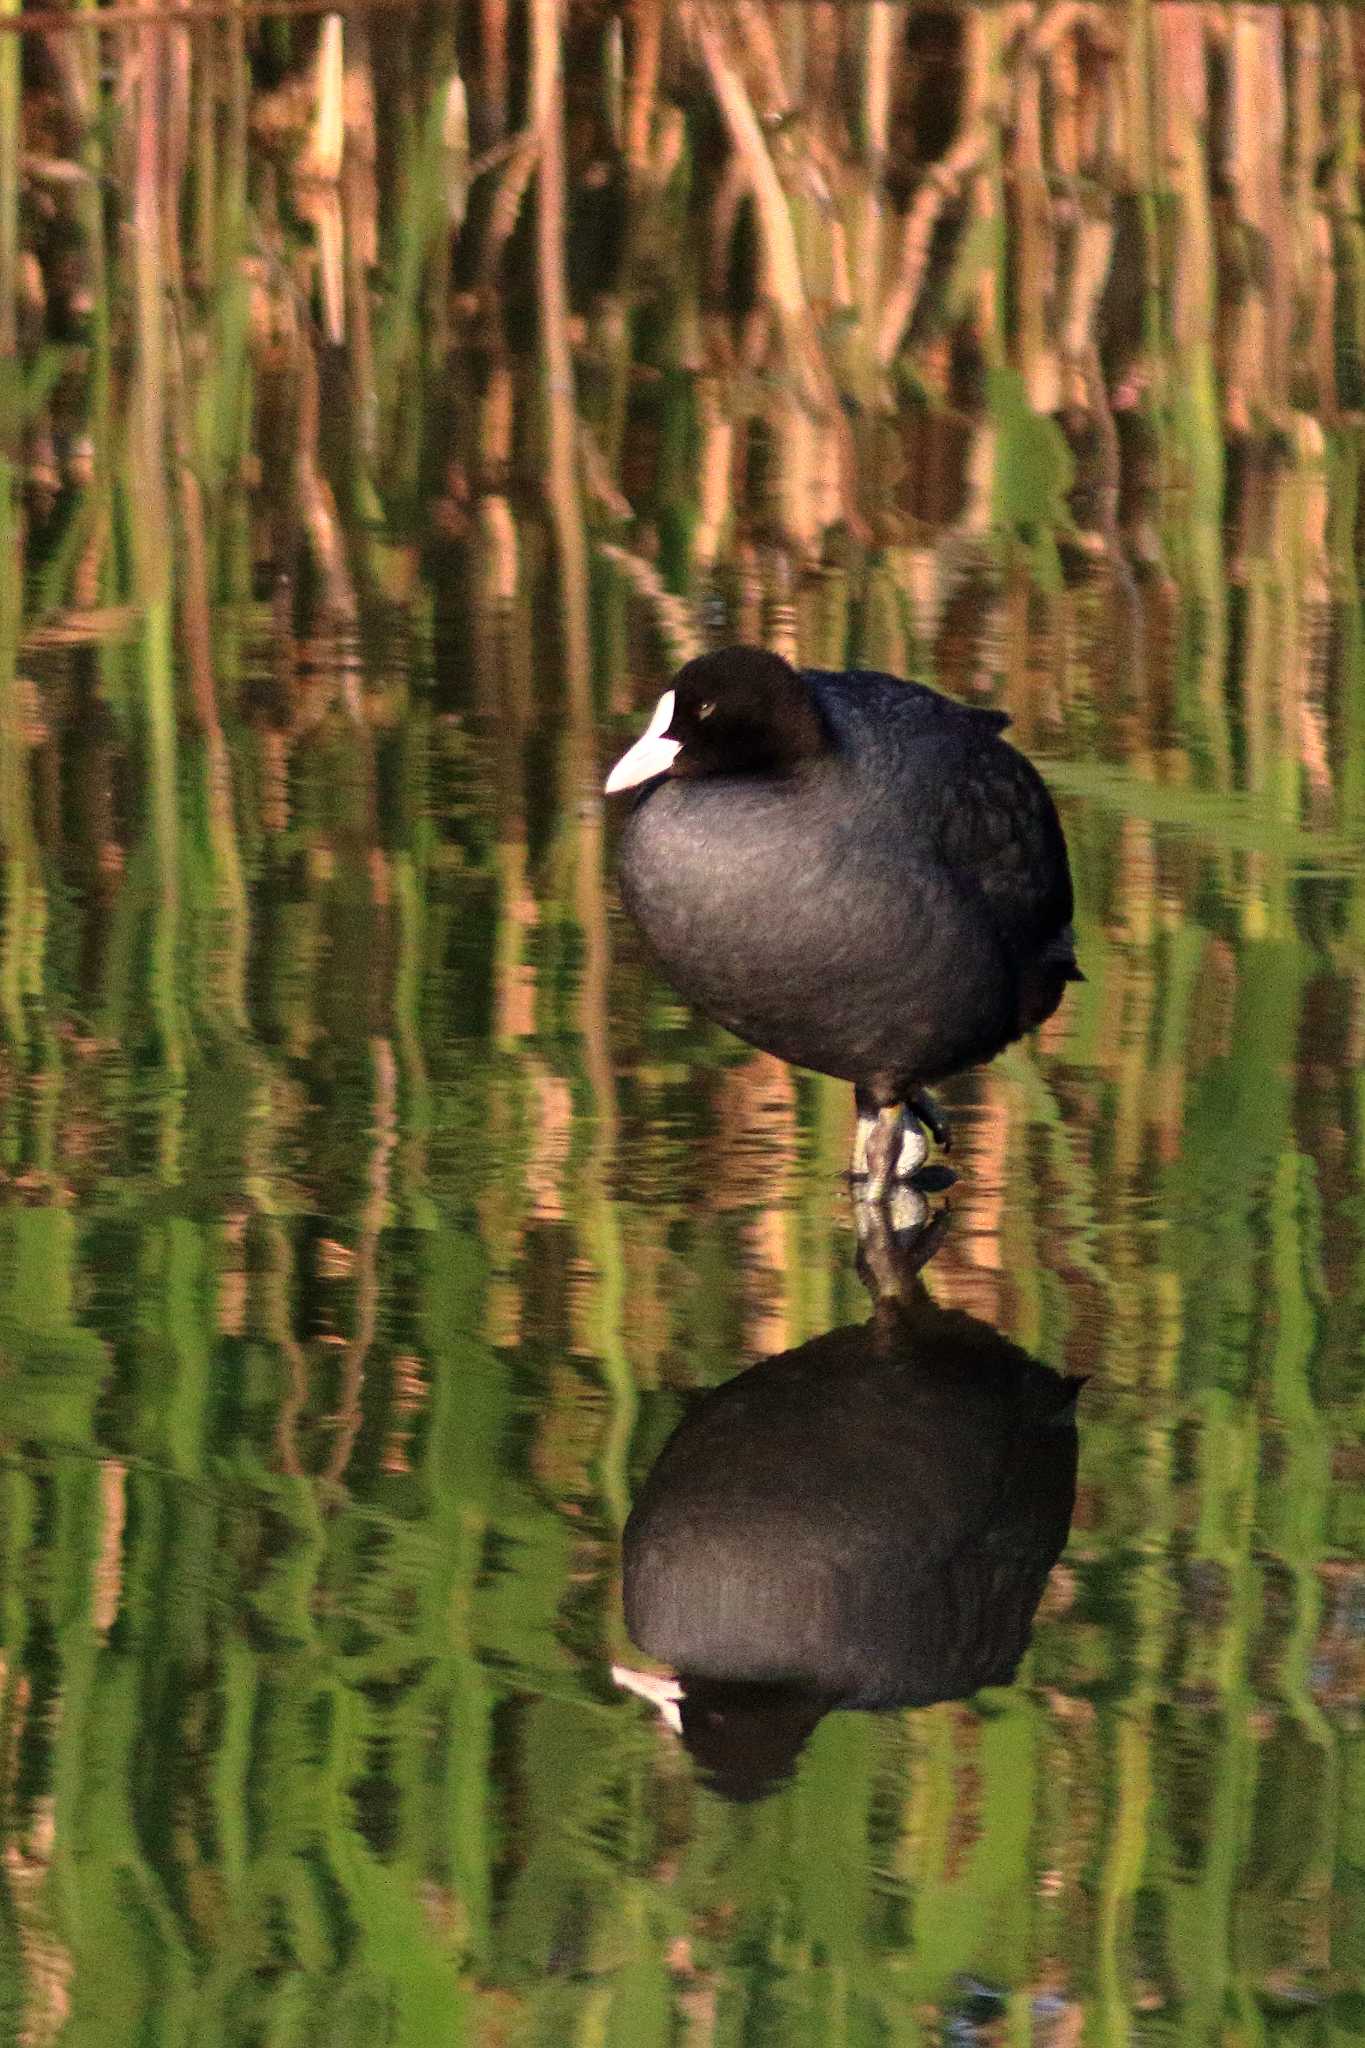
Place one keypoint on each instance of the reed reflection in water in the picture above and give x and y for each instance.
(385, 407)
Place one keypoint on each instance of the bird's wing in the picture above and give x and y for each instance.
(998, 827)
(914, 701)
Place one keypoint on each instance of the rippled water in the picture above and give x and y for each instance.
(371, 1213)
(333, 1361)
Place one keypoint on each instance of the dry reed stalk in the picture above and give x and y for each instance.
(10, 155)
(207, 83)
(503, 700)
(810, 481)
(1257, 369)
(879, 65)
(1033, 253)
(493, 96)
(556, 363)
(195, 623)
(1055, 25)
(598, 483)
(1307, 46)
(764, 74)
(318, 172)
(1091, 255)
(99, 20)
(1322, 286)
(1302, 541)
(359, 194)
(177, 89)
(495, 550)
(497, 555)
(642, 91)
(715, 472)
(1066, 100)
(320, 520)
(672, 614)
(152, 525)
(1181, 30)
(782, 271)
(517, 169)
(1092, 252)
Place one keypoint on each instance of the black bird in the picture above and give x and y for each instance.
(867, 1521)
(851, 871)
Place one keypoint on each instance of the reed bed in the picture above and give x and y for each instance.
(387, 398)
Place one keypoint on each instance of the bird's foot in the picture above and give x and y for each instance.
(895, 1239)
(888, 1146)
(902, 1215)
(891, 1144)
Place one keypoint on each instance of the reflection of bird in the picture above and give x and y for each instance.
(866, 1521)
(850, 871)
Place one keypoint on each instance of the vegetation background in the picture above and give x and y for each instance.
(387, 399)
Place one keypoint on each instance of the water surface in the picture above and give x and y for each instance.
(370, 1210)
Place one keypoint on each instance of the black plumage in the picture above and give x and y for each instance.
(848, 870)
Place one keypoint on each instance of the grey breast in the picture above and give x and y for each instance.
(800, 915)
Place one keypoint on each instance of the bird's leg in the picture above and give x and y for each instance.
(862, 1131)
(891, 1141)
(922, 1104)
(881, 1150)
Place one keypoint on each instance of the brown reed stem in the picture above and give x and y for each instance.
(558, 406)
(643, 89)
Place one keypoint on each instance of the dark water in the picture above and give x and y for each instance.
(370, 1211)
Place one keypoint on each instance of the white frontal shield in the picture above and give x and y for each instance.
(652, 753)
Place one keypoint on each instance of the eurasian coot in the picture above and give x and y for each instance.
(851, 871)
(867, 1521)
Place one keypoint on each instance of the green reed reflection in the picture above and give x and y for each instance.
(384, 411)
